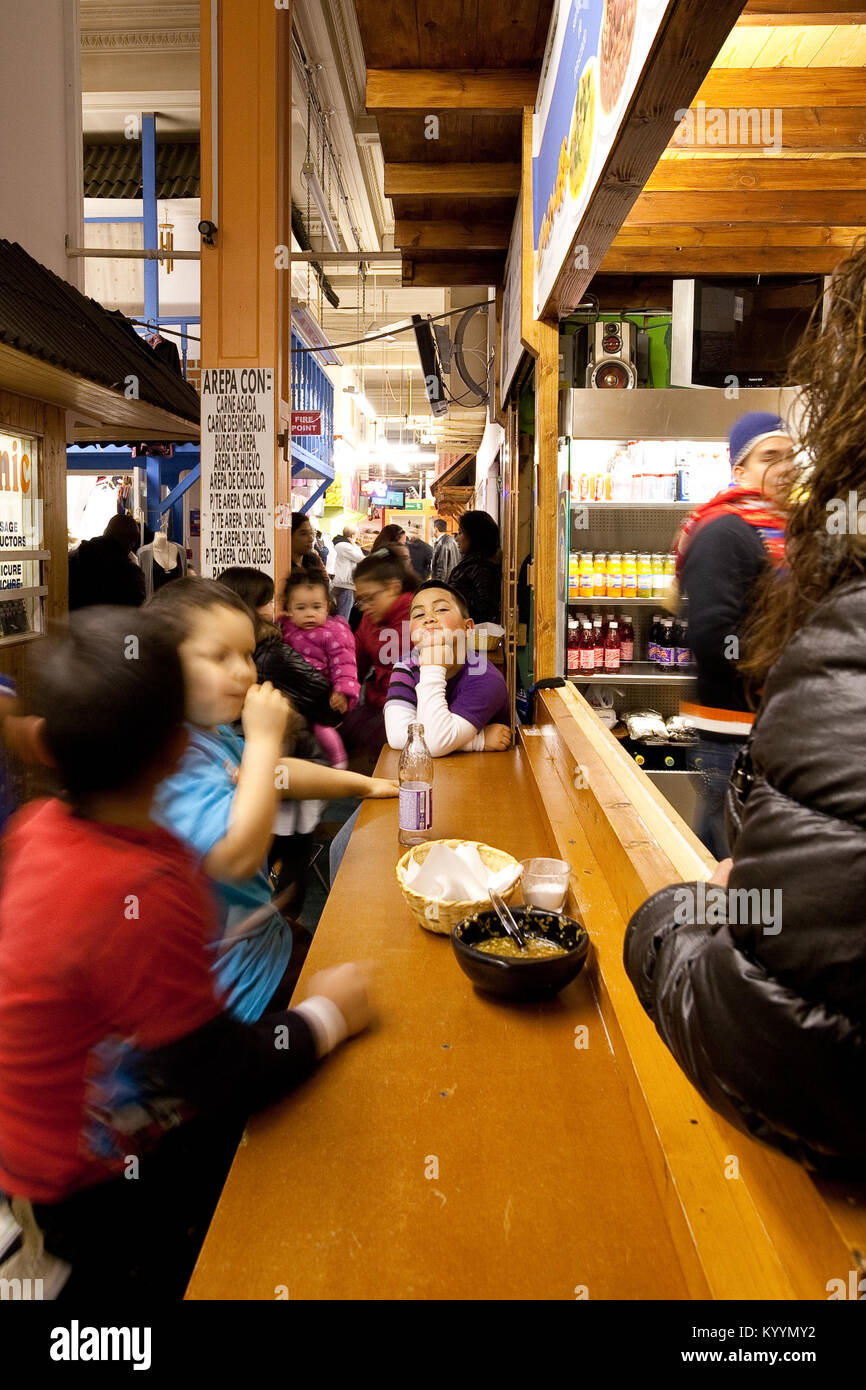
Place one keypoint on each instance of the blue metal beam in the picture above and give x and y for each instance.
(311, 501)
(177, 493)
(151, 231)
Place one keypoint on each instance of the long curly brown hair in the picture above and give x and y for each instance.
(829, 365)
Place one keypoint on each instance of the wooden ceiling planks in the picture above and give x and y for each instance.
(474, 65)
(772, 87)
(765, 172)
(803, 12)
(816, 130)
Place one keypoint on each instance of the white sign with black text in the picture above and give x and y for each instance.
(237, 469)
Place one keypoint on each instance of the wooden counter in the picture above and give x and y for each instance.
(463, 1148)
(466, 1148)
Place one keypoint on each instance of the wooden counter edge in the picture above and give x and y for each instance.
(734, 1234)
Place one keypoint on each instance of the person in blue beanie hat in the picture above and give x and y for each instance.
(722, 549)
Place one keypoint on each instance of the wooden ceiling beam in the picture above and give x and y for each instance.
(430, 90)
(699, 260)
(783, 87)
(803, 12)
(658, 209)
(417, 235)
(433, 274)
(808, 130)
(685, 236)
(472, 180)
(693, 175)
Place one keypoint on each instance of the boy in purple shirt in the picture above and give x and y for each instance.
(459, 697)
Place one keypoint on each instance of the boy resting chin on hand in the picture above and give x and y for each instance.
(459, 697)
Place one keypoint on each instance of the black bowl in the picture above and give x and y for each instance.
(509, 976)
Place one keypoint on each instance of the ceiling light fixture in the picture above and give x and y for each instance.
(318, 196)
(361, 401)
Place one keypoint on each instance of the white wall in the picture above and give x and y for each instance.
(119, 284)
(41, 173)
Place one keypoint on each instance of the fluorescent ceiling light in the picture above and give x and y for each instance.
(365, 406)
(311, 332)
(318, 196)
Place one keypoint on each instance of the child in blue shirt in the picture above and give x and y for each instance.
(222, 798)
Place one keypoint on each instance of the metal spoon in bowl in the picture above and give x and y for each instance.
(503, 912)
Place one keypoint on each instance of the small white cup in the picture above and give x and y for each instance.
(545, 883)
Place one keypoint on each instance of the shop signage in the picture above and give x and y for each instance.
(237, 469)
(413, 506)
(306, 422)
(20, 534)
(597, 53)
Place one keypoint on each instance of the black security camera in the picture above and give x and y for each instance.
(208, 232)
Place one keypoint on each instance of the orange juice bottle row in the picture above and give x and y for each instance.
(615, 574)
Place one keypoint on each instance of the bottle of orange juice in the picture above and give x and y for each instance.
(614, 575)
(599, 586)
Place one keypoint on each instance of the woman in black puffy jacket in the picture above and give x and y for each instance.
(757, 981)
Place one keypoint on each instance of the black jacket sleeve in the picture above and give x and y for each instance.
(480, 583)
(307, 688)
(227, 1066)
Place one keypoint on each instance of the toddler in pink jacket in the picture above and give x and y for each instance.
(326, 642)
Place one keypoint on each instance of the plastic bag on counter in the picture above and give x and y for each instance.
(602, 702)
(646, 724)
(680, 729)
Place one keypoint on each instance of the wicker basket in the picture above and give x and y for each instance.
(438, 916)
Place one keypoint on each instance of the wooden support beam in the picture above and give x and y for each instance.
(731, 238)
(473, 180)
(432, 274)
(658, 209)
(428, 89)
(418, 235)
(803, 12)
(784, 87)
(761, 172)
(700, 260)
(821, 129)
(541, 338)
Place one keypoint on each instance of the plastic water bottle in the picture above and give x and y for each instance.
(415, 775)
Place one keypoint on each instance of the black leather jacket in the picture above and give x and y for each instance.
(766, 1013)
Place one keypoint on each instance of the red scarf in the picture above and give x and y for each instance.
(750, 506)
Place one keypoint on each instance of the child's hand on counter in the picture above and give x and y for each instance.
(382, 787)
(339, 701)
(346, 986)
(497, 737)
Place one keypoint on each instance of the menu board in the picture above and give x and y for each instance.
(237, 469)
(20, 535)
(597, 53)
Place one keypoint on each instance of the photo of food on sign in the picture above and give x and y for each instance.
(617, 37)
(582, 126)
(598, 50)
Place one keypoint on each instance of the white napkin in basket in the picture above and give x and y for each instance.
(460, 875)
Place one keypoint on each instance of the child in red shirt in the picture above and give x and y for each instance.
(383, 591)
(110, 1030)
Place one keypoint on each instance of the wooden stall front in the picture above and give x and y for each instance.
(465, 1148)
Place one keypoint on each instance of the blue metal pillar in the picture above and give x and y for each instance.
(154, 487)
(151, 217)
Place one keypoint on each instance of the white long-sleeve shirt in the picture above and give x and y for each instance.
(444, 732)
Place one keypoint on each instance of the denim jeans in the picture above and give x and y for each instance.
(345, 601)
(714, 761)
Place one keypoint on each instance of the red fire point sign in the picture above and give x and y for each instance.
(306, 422)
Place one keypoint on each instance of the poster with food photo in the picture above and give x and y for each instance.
(597, 52)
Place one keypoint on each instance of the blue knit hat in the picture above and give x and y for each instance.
(751, 429)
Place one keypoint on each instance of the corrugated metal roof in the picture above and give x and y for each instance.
(114, 171)
(42, 315)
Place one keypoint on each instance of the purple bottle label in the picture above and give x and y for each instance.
(416, 808)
